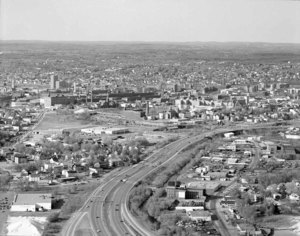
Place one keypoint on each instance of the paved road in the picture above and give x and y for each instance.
(22, 138)
(107, 205)
(226, 229)
(256, 157)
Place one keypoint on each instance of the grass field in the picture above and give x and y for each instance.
(54, 121)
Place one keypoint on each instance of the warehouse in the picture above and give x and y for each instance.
(208, 187)
(32, 202)
(105, 130)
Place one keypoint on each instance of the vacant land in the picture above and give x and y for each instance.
(59, 121)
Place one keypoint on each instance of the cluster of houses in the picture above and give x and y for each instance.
(57, 170)
(13, 120)
(226, 105)
(68, 166)
(221, 167)
(264, 150)
(54, 172)
(278, 194)
(247, 103)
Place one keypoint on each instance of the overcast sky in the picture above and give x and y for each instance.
(151, 20)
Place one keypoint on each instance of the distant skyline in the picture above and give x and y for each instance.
(275, 21)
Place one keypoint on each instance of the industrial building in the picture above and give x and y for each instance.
(105, 130)
(192, 190)
(32, 202)
(61, 100)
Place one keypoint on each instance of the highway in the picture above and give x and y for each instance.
(111, 207)
(107, 205)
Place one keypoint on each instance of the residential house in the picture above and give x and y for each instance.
(69, 173)
(114, 161)
(34, 178)
(294, 197)
(19, 159)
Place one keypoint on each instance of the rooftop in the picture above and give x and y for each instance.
(199, 213)
(31, 199)
(203, 185)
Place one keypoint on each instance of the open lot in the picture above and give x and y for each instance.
(59, 121)
(22, 226)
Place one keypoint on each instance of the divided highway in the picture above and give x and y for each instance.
(107, 205)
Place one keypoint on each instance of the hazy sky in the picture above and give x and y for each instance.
(151, 20)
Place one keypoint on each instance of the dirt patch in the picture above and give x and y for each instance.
(25, 226)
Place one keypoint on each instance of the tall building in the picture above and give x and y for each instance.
(147, 108)
(74, 87)
(53, 80)
(177, 88)
(13, 85)
(57, 85)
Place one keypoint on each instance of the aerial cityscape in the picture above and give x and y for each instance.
(106, 137)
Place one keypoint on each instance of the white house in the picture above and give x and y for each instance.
(294, 197)
(228, 135)
(241, 141)
(34, 178)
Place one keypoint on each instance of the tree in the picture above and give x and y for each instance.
(107, 141)
(5, 181)
(54, 217)
(76, 147)
(236, 193)
(282, 190)
(20, 148)
(51, 148)
(249, 213)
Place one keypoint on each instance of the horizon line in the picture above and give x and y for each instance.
(141, 41)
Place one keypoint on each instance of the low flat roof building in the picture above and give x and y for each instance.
(105, 130)
(32, 202)
(200, 215)
(210, 186)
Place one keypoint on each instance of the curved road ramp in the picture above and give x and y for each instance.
(83, 228)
